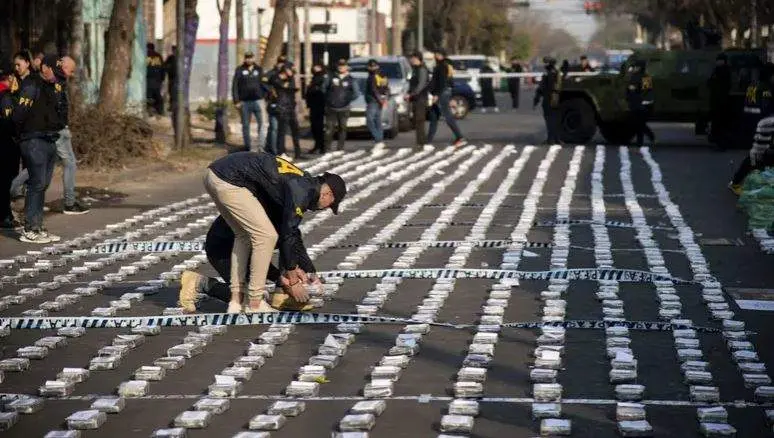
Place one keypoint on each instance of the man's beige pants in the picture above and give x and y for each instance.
(254, 234)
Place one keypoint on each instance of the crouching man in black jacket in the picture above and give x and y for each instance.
(263, 199)
(38, 123)
(218, 247)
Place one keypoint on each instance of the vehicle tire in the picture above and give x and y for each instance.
(394, 129)
(462, 107)
(617, 133)
(578, 121)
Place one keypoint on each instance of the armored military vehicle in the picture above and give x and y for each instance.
(680, 80)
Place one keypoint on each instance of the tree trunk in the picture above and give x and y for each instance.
(191, 26)
(76, 52)
(118, 50)
(223, 50)
(240, 30)
(277, 34)
(221, 113)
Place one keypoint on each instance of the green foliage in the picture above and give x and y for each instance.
(520, 45)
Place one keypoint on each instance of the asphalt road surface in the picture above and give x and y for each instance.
(673, 217)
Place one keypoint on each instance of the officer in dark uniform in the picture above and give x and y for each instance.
(441, 85)
(639, 96)
(548, 92)
(514, 83)
(282, 105)
(9, 150)
(315, 101)
(341, 91)
(37, 122)
(419, 86)
(271, 132)
(759, 117)
(154, 78)
(719, 85)
(247, 93)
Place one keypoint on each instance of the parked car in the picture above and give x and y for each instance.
(472, 65)
(357, 112)
(398, 72)
(463, 99)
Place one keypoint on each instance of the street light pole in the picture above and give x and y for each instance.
(326, 56)
(421, 25)
(260, 16)
(307, 41)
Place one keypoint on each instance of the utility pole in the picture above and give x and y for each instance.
(421, 25)
(326, 55)
(397, 28)
(260, 35)
(307, 41)
(180, 77)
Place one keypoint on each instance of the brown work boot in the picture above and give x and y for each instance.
(284, 301)
(191, 285)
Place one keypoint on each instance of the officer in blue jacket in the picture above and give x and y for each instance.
(249, 188)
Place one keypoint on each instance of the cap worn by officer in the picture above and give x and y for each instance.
(372, 63)
(50, 61)
(338, 187)
(249, 54)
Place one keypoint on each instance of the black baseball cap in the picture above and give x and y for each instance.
(50, 60)
(339, 189)
(372, 63)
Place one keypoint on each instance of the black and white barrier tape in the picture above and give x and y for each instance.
(305, 318)
(198, 245)
(614, 224)
(595, 274)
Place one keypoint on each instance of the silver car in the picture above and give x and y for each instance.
(398, 72)
(357, 111)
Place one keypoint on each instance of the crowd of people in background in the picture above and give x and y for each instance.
(35, 134)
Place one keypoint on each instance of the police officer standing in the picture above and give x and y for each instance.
(341, 91)
(154, 77)
(38, 122)
(9, 150)
(419, 86)
(639, 96)
(441, 91)
(720, 102)
(548, 92)
(271, 132)
(247, 93)
(282, 105)
(315, 101)
(514, 83)
(377, 94)
(759, 119)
